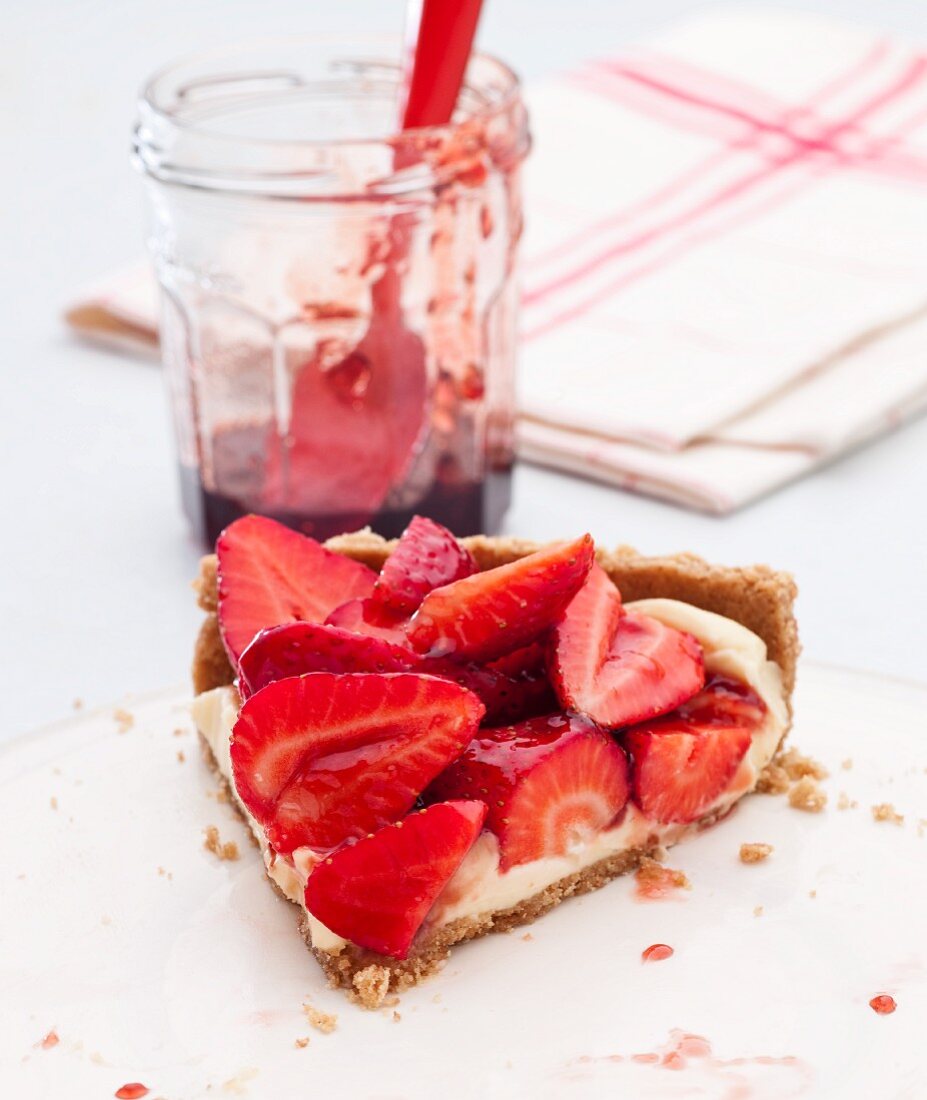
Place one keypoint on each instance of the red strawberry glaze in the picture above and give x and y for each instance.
(883, 1003)
(132, 1091)
(656, 952)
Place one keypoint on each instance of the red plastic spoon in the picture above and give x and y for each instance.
(445, 40)
(355, 427)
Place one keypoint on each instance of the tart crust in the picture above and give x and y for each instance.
(758, 597)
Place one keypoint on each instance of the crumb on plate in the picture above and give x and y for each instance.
(212, 843)
(797, 765)
(885, 811)
(844, 802)
(755, 853)
(326, 1022)
(758, 910)
(125, 719)
(773, 779)
(806, 795)
(302, 1042)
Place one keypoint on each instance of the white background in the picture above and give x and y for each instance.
(96, 561)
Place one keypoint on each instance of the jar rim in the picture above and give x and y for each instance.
(491, 89)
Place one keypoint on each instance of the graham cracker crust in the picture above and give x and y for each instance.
(758, 597)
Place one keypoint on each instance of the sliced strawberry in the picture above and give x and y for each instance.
(683, 762)
(297, 648)
(377, 892)
(322, 757)
(427, 556)
(550, 784)
(363, 616)
(269, 575)
(529, 661)
(580, 639)
(485, 616)
(620, 667)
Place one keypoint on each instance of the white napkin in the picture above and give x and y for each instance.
(726, 262)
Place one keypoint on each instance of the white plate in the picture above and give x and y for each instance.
(155, 962)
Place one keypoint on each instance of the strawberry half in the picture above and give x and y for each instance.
(427, 556)
(483, 617)
(377, 892)
(269, 575)
(619, 667)
(324, 757)
(683, 762)
(363, 616)
(550, 784)
(297, 648)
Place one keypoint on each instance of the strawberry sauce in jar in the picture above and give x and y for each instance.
(338, 301)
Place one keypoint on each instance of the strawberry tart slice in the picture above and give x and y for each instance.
(433, 739)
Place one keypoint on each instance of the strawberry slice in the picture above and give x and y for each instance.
(724, 702)
(527, 662)
(550, 784)
(485, 616)
(427, 556)
(269, 575)
(297, 648)
(377, 892)
(683, 762)
(321, 758)
(620, 667)
(294, 649)
(363, 616)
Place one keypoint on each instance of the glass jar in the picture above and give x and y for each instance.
(338, 301)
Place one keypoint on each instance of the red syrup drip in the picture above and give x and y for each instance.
(132, 1091)
(656, 952)
(883, 1004)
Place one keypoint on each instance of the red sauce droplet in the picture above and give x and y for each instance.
(656, 952)
(50, 1040)
(674, 1060)
(132, 1091)
(883, 1004)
